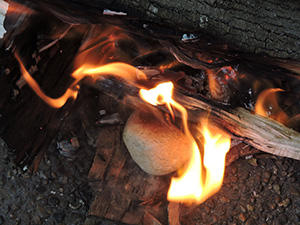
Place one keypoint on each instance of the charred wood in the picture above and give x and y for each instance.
(267, 27)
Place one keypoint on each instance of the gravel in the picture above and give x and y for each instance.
(261, 190)
(57, 194)
(264, 192)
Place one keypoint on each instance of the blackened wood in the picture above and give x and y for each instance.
(123, 191)
(30, 123)
(271, 27)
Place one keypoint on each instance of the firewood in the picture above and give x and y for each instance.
(262, 133)
(252, 26)
(156, 146)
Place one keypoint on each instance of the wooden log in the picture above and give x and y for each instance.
(125, 193)
(254, 26)
(262, 133)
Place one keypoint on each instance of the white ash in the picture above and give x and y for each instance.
(110, 120)
(186, 37)
(3, 9)
(109, 12)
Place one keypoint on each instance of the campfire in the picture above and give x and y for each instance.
(190, 102)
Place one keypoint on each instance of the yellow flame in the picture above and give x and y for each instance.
(191, 187)
(117, 69)
(216, 147)
(188, 187)
(267, 105)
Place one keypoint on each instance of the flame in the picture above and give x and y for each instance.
(121, 70)
(267, 105)
(71, 92)
(216, 147)
(191, 187)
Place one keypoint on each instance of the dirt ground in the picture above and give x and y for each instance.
(261, 189)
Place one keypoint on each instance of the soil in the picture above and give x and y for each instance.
(258, 189)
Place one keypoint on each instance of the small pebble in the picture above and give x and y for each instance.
(242, 217)
(250, 208)
(242, 208)
(272, 205)
(252, 161)
(266, 176)
(224, 199)
(276, 188)
(284, 203)
(75, 142)
(102, 112)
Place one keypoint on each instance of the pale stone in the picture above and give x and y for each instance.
(156, 146)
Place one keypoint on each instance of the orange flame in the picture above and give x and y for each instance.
(267, 105)
(122, 70)
(190, 186)
(71, 92)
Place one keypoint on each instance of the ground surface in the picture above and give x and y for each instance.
(263, 189)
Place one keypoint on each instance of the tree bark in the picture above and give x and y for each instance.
(257, 26)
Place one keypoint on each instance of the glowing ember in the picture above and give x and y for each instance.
(267, 105)
(190, 186)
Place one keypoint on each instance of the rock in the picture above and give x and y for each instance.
(250, 208)
(252, 161)
(266, 176)
(284, 203)
(156, 146)
(276, 188)
(242, 217)
(224, 199)
(272, 205)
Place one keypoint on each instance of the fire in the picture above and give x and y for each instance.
(121, 70)
(191, 187)
(71, 92)
(267, 105)
(216, 147)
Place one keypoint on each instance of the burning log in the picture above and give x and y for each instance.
(262, 133)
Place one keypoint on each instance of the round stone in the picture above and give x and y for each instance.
(157, 146)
